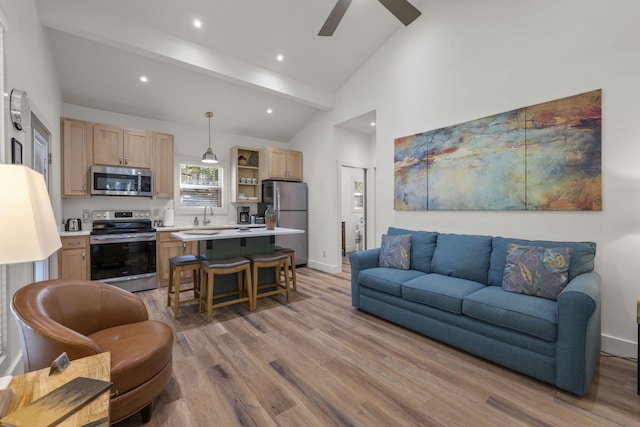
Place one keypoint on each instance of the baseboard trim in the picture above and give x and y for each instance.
(326, 268)
(619, 347)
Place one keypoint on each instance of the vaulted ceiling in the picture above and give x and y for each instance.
(228, 66)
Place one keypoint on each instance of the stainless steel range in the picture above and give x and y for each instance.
(123, 249)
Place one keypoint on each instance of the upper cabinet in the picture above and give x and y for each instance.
(284, 164)
(163, 165)
(76, 157)
(121, 147)
(246, 166)
(85, 144)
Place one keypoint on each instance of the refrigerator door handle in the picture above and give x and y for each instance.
(276, 198)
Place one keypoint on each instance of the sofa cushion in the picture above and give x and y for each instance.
(462, 256)
(537, 271)
(387, 280)
(436, 290)
(423, 243)
(394, 251)
(531, 315)
(582, 256)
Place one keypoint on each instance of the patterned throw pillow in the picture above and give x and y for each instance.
(532, 270)
(395, 251)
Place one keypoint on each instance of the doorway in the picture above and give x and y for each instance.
(353, 208)
(40, 163)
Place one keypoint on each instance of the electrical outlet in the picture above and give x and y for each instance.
(86, 214)
(324, 254)
(156, 212)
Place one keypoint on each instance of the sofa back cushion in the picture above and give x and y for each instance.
(463, 256)
(582, 256)
(423, 243)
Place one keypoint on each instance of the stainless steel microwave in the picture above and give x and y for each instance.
(116, 181)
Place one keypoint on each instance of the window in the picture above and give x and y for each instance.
(200, 185)
(358, 194)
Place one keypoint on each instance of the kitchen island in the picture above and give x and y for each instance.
(216, 244)
(227, 243)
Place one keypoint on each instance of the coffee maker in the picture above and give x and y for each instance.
(244, 216)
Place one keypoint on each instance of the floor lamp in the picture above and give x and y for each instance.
(28, 230)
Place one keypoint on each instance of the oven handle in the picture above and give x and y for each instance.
(122, 238)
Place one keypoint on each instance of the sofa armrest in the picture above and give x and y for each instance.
(579, 333)
(361, 261)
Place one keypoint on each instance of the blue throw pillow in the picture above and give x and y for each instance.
(537, 271)
(395, 251)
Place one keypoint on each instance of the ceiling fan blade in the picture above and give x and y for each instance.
(334, 18)
(402, 9)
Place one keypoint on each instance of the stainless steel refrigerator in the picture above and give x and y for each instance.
(289, 199)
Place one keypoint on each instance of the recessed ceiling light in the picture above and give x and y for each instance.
(373, 123)
(197, 23)
(144, 79)
(280, 58)
(269, 111)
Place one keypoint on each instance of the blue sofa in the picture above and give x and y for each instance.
(452, 293)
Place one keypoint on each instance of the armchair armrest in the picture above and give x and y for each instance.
(47, 339)
(361, 260)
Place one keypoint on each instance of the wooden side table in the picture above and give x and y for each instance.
(33, 385)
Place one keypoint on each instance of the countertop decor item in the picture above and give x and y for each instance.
(242, 161)
(270, 218)
(209, 156)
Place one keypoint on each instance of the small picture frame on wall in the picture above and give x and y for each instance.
(16, 152)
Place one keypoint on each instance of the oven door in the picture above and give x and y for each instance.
(118, 259)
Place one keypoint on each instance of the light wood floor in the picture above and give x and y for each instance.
(318, 361)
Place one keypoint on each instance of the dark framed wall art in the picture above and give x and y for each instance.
(16, 152)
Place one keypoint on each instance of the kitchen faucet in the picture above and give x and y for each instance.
(206, 220)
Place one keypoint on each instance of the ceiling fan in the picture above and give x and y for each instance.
(402, 9)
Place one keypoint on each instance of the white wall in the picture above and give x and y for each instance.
(464, 60)
(29, 66)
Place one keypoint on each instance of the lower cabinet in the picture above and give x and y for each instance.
(168, 247)
(73, 258)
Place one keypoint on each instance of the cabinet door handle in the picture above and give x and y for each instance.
(83, 255)
(125, 161)
(84, 188)
(73, 243)
(120, 159)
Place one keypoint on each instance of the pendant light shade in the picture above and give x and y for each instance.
(209, 156)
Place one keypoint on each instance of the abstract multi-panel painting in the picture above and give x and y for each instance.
(546, 157)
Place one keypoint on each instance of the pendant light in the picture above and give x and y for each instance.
(209, 156)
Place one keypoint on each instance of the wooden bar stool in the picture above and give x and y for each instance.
(277, 261)
(177, 265)
(292, 264)
(244, 292)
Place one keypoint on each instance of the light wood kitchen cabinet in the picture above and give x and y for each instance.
(73, 258)
(166, 248)
(115, 146)
(76, 157)
(163, 165)
(284, 164)
(246, 167)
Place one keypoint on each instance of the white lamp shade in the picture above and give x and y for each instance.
(28, 230)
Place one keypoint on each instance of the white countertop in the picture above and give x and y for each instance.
(232, 234)
(208, 227)
(174, 228)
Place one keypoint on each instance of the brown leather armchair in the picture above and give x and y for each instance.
(84, 318)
